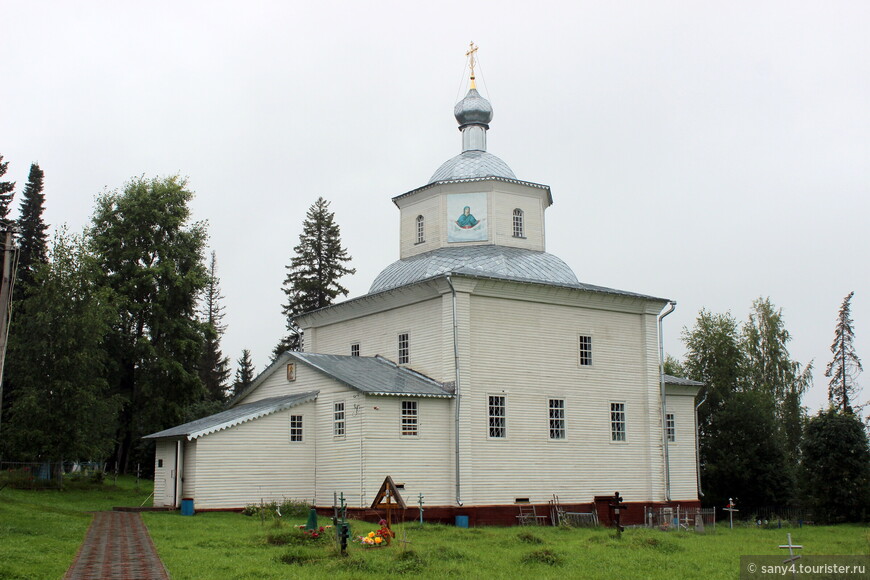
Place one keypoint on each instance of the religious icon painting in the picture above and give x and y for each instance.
(291, 371)
(467, 217)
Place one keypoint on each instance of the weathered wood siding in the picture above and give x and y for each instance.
(544, 341)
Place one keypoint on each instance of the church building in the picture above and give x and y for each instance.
(477, 371)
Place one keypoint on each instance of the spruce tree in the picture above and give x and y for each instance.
(244, 374)
(315, 270)
(845, 366)
(214, 368)
(7, 189)
(33, 241)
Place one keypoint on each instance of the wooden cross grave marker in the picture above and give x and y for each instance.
(388, 493)
(730, 508)
(617, 505)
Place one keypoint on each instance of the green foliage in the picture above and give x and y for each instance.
(745, 454)
(214, 367)
(245, 373)
(836, 465)
(7, 190)
(544, 556)
(34, 239)
(318, 264)
(289, 509)
(843, 370)
(62, 406)
(672, 366)
(529, 538)
(151, 257)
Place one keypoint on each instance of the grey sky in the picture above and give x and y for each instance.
(710, 152)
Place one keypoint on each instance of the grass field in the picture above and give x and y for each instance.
(40, 532)
(221, 545)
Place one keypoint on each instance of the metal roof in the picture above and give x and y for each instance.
(373, 375)
(672, 380)
(470, 164)
(235, 416)
(475, 180)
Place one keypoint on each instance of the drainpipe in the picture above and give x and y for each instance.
(671, 307)
(456, 395)
(698, 448)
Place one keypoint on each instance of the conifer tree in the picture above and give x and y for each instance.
(244, 373)
(33, 241)
(315, 270)
(7, 189)
(214, 369)
(845, 366)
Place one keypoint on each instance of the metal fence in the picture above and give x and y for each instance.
(35, 475)
(681, 518)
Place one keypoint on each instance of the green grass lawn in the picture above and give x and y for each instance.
(223, 545)
(40, 531)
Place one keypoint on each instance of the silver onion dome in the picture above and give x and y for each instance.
(473, 109)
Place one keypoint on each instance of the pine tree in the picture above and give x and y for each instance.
(845, 367)
(214, 368)
(244, 374)
(33, 242)
(7, 189)
(315, 270)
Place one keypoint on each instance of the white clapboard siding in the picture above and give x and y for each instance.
(379, 334)
(256, 461)
(434, 233)
(544, 340)
(530, 202)
(681, 452)
(188, 474)
(277, 385)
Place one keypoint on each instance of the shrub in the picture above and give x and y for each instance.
(545, 556)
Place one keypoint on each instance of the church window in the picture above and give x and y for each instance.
(519, 226)
(617, 421)
(585, 351)
(420, 229)
(295, 427)
(670, 427)
(354, 349)
(404, 349)
(409, 418)
(557, 418)
(497, 417)
(338, 423)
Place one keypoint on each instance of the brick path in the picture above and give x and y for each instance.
(118, 547)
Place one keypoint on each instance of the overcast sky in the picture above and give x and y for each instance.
(709, 152)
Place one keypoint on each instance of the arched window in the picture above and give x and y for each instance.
(519, 229)
(420, 238)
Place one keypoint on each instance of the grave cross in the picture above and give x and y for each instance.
(792, 556)
(617, 505)
(730, 508)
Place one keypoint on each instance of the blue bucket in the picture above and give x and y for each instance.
(187, 506)
(461, 521)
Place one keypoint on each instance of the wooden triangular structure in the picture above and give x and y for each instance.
(387, 497)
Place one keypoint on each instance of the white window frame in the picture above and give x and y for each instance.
(420, 224)
(404, 350)
(556, 417)
(410, 418)
(339, 420)
(618, 422)
(296, 430)
(584, 350)
(519, 223)
(496, 422)
(671, 427)
(354, 349)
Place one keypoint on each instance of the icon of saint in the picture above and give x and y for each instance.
(466, 221)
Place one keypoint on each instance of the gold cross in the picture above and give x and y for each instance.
(471, 50)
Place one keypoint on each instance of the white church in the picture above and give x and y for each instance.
(478, 371)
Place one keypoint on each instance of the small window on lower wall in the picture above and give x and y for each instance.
(670, 427)
(295, 427)
(338, 423)
(557, 418)
(617, 421)
(159, 463)
(497, 417)
(409, 418)
(354, 349)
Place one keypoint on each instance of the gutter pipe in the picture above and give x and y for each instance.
(456, 394)
(671, 307)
